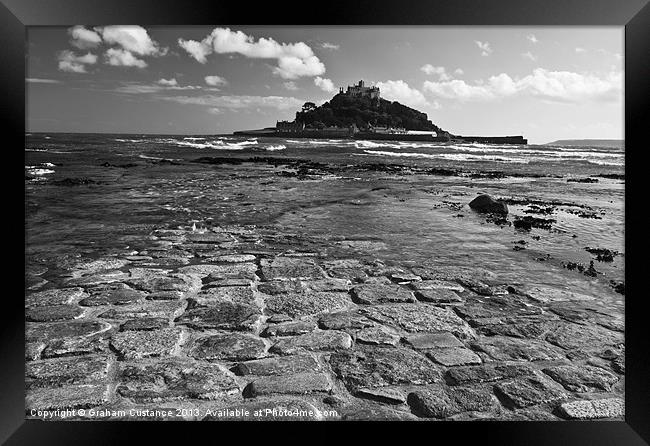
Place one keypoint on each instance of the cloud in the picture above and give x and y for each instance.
(485, 47)
(459, 72)
(159, 86)
(240, 102)
(83, 38)
(329, 46)
(198, 50)
(440, 71)
(556, 86)
(401, 92)
(294, 60)
(580, 50)
(134, 39)
(530, 56)
(325, 84)
(122, 58)
(215, 111)
(35, 80)
(72, 63)
(290, 85)
(532, 38)
(215, 81)
(168, 82)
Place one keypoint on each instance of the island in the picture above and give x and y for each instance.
(360, 112)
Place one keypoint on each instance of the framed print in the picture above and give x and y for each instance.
(397, 215)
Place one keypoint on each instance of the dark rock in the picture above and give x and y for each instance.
(454, 356)
(316, 341)
(372, 294)
(175, 378)
(528, 391)
(69, 397)
(145, 324)
(158, 308)
(512, 349)
(419, 317)
(141, 344)
(592, 409)
(486, 204)
(370, 367)
(222, 315)
(486, 373)
(572, 336)
(117, 297)
(282, 365)
(67, 371)
(582, 378)
(438, 402)
(62, 296)
(289, 329)
(344, 320)
(439, 296)
(426, 341)
(56, 331)
(297, 384)
(308, 303)
(289, 267)
(232, 347)
(377, 336)
(53, 313)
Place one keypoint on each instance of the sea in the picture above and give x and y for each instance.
(91, 194)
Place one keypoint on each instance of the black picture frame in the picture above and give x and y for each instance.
(16, 15)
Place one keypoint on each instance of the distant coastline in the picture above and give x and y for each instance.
(588, 142)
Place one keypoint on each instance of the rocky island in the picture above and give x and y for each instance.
(361, 113)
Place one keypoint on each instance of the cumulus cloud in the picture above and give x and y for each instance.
(440, 71)
(168, 82)
(528, 55)
(532, 38)
(240, 102)
(325, 84)
(122, 58)
(83, 38)
(329, 46)
(459, 71)
(557, 86)
(71, 63)
(294, 60)
(132, 38)
(580, 50)
(401, 92)
(215, 81)
(485, 48)
(198, 50)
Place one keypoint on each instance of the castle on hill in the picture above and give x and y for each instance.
(360, 91)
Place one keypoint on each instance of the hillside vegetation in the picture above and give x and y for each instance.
(343, 111)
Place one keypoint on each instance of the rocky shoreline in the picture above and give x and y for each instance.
(218, 322)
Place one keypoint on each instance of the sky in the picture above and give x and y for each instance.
(544, 83)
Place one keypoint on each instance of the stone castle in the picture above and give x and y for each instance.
(360, 90)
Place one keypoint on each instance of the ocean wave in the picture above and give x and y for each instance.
(275, 147)
(216, 144)
(127, 140)
(449, 156)
(39, 170)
